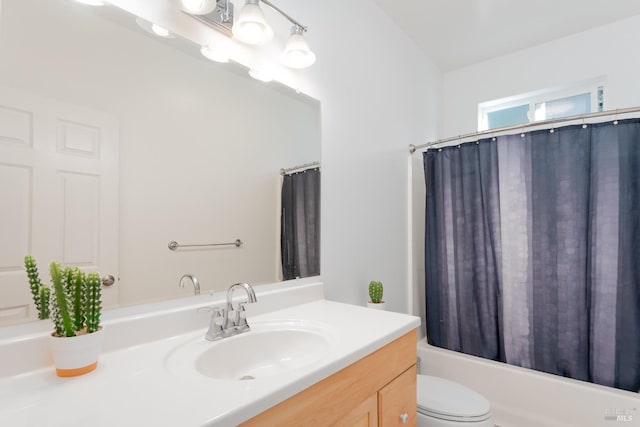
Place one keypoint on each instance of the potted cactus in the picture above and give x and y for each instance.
(74, 306)
(375, 295)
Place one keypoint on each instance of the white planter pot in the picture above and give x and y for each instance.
(376, 306)
(77, 355)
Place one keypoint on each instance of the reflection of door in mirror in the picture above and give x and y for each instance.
(62, 202)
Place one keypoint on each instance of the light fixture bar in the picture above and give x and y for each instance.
(281, 12)
(221, 18)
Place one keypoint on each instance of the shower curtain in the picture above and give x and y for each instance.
(532, 251)
(300, 224)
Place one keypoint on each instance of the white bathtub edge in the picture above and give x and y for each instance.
(525, 398)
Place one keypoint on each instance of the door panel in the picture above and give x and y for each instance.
(59, 192)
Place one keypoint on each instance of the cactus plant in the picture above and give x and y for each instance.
(375, 291)
(39, 290)
(75, 303)
(44, 296)
(61, 302)
(77, 286)
(92, 301)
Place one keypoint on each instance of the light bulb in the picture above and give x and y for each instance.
(198, 7)
(250, 26)
(296, 53)
(261, 74)
(215, 53)
(161, 31)
(154, 29)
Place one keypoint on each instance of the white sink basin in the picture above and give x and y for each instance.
(268, 349)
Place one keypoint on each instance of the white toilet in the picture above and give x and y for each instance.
(444, 403)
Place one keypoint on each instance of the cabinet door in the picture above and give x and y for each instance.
(397, 400)
(363, 415)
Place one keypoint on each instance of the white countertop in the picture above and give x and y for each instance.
(133, 386)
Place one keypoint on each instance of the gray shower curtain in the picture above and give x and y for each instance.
(300, 224)
(532, 251)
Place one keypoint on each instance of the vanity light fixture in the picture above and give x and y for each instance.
(218, 14)
(251, 27)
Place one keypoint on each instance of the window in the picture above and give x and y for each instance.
(582, 98)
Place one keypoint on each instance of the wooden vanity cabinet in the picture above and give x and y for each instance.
(377, 390)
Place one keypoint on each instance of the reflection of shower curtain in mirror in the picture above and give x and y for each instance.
(300, 231)
(532, 252)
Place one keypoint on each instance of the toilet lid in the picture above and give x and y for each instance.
(446, 399)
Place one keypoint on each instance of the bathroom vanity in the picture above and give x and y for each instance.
(306, 360)
(379, 389)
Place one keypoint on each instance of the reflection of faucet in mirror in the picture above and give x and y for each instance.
(221, 325)
(194, 280)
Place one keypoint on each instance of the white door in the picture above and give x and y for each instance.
(58, 194)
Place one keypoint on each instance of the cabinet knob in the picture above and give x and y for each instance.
(404, 418)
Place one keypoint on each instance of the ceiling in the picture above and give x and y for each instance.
(457, 33)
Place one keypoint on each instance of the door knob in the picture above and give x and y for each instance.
(108, 280)
(404, 418)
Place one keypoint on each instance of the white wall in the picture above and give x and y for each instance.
(379, 94)
(609, 51)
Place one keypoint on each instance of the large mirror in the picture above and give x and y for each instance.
(114, 142)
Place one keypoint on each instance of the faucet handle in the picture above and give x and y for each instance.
(241, 318)
(216, 330)
(215, 311)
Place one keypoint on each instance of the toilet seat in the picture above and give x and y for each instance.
(447, 400)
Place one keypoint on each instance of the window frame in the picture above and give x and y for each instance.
(594, 86)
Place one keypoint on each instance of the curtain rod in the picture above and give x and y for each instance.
(304, 166)
(414, 148)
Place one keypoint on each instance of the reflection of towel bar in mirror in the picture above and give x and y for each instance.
(173, 245)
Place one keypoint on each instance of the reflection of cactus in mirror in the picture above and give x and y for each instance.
(92, 301)
(375, 291)
(77, 284)
(44, 295)
(39, 290)
(73, 301)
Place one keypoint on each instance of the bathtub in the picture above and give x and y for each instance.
(525, 398)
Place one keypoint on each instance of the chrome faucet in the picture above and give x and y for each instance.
(194, 280)
(221, 324)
